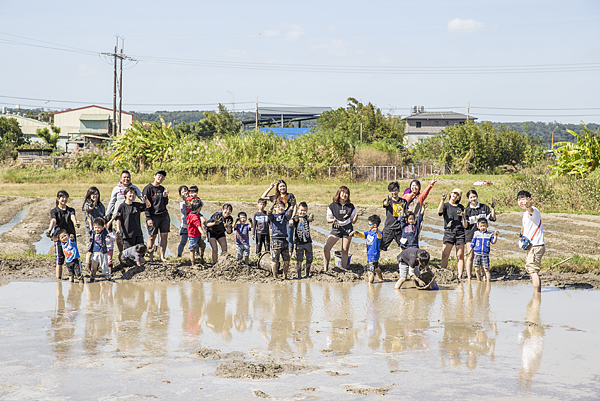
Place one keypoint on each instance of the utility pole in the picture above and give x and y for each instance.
(468, 110)
(118, 83)
(256, 116)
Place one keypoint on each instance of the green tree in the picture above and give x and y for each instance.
(11, 137)
(579, 158)
(480, 147)
(51, 139)
(375, 124)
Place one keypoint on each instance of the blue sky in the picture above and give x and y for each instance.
(510, 60)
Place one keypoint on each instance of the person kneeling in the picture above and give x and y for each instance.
(133, 256)
(409, 262)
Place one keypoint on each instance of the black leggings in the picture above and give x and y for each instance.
(263, 239)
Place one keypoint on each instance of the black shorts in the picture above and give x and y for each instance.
(454, 237)
(217, 236)
(387, 236)
(129, 242)
(342, 231)
(469, 236)
(160, 223)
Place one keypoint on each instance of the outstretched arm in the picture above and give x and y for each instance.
(265, 195)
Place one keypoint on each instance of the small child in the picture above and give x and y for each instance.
(411, 227)
(302, 239)
(481, 249)
(242, 239)
(261, 228)
(217, 227)
(279, 220)
(62, 217)
(196, 223)
(71, 255)
(410, 261)
(111, 240)
(373, 239)
(133, 256)
(183, 208)
(97, 250)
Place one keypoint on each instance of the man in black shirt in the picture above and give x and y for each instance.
(393, 205)
(157, 215)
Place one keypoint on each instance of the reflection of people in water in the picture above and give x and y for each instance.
(217, 317)
(532, 342)
(192, 306)
(302, 318)
(467, 329)
(62, 324)
(343, 335)
(373, 326)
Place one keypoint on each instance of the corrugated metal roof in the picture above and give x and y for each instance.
(438, 115)
(94, 117)
(292, 111)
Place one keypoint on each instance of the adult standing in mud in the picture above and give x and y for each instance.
(342, 214)
(62, 217)
(157, 215)
(454, 229)
(473, 212)
(117, 197)
(288, 199)
(532, 238)
(93, 208)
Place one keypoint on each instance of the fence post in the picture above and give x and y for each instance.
(329, 171)
(375, 173)
(444, 169)
(413, 170)
(395, 173)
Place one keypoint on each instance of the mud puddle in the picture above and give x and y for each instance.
(327, 341)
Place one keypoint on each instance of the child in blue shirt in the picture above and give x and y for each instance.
(373, 238)
(71, 253)
(411, 227)
(242, 237)
(481, 242)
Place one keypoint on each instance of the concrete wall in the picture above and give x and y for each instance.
(69, 122)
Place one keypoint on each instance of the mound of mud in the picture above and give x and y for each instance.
(229, 268)
(159, 271)
(237, 369)
(367, 390)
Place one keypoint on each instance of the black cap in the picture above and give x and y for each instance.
(161, 172)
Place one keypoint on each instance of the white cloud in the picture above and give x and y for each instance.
(84, 70)
(333, 48)
(294, 32)
(464, 25)
(270, 33)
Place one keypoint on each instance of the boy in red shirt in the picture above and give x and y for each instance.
(196, 223)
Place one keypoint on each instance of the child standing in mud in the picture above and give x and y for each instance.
(393, 205)
(62, 217)
(196, 223)
(183, 208)
(97, 251)
(70, 255)
(373, 238)
(217, 226)
(302, 239)
(532, 238)
(411, 227)
(261, 228)
(242, 229)
(481, 248)
(279, 220)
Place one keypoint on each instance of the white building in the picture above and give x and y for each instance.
(29, 127)
(422, 124)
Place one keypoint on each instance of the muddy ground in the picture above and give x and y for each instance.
(562, 232)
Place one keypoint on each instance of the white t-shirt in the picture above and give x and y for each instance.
(530, 224)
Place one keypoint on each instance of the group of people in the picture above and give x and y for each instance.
(282, 228)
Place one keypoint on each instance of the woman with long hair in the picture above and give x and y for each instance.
(341, 213)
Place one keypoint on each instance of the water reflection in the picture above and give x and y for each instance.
(532, 343)
(63, 321)
(468, 332)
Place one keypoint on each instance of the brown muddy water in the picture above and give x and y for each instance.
(296, 340)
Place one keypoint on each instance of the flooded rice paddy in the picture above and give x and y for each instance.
(296, 340)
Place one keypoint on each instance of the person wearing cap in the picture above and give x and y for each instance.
(454, 229)
(157, 215)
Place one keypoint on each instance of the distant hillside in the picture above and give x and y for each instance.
(544, 130)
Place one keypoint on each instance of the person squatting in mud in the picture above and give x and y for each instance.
(117, 197)
(279, 219)
(473, 212)
(302, 240)
(196, 224)
(62, 217)
(242, 228)
(373, 238)
(217, 226)
(341, 213)
(410, 262)
(288, 199)
(157, 215)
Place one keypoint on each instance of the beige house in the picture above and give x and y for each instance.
(29, 127)
(422, 124)
(95, 120)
